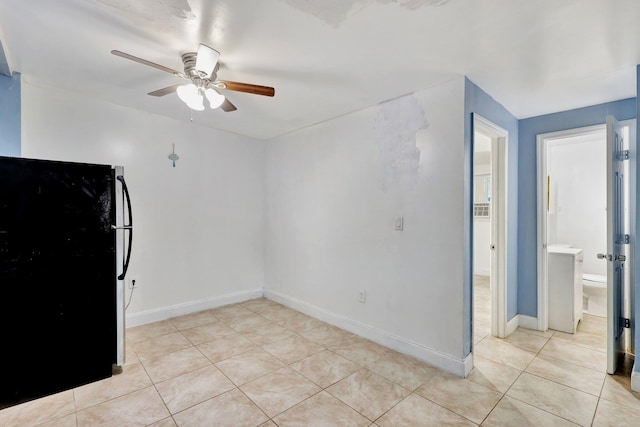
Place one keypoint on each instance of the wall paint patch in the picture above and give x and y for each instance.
(396, 126)
(334, 12)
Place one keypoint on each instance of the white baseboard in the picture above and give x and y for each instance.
(512, 325)
(528, 322)
(468, 364)
(521, 320)
(162, 313)
(635, 378)
(457, 366)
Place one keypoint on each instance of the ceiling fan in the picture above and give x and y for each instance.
(200, 69)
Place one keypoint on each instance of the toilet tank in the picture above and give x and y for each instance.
(597, 280)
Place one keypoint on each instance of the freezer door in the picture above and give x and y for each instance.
(57, 276)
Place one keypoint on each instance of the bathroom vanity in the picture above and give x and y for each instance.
(565, 288)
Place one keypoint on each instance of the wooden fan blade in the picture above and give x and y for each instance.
(145, 62)
(164, 91)
(249, 88)
(227, 106)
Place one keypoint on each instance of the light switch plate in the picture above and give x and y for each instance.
(362, 295)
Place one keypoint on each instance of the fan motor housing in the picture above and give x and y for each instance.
(189, 61)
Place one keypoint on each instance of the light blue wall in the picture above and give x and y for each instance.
(478, 101)
(527, 218)
(10, 115)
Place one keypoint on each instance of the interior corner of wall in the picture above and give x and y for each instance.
(468, 364)
(527, 322)
(635, 377)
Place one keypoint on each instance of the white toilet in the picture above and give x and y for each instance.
(594, 294)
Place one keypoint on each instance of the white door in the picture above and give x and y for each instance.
(616, 155)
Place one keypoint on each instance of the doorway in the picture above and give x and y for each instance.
(579, 217)
(489, 229)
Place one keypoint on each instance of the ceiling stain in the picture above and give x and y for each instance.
(415, 4)
(334, 12)
(161, 12)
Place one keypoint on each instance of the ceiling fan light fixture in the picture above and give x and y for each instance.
(206, 60)
(201, 68)
(190, 95)
(215, 98)
(198, 105)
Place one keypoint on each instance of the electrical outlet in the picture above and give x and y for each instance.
(362, 295)
(132, 283)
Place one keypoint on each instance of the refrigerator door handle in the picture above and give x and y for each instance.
(128, 227)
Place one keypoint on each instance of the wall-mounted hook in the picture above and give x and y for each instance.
(173, 156)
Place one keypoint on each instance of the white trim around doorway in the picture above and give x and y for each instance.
(498, 213)
(542, 141)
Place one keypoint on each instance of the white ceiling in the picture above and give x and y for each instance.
(329, 57)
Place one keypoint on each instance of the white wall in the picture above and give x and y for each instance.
(323, 223)
(578, 198)
(333, 193)
(198, 238)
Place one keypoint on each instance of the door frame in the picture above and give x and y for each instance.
(498, 218)
(542, 141)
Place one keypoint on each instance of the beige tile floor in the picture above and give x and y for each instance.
(259, 363)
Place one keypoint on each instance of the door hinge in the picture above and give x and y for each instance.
(626, 323)
(626, 239)
(624, 155)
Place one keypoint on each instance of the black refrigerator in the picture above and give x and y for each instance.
(62, 270)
